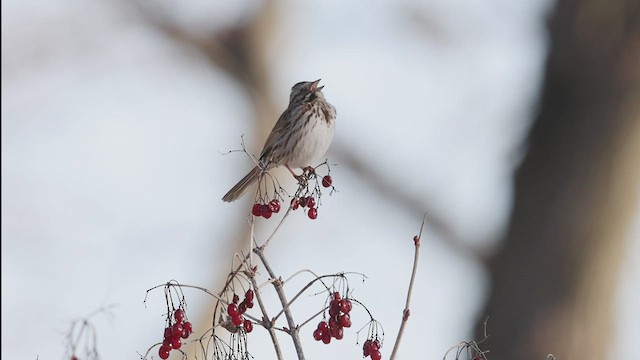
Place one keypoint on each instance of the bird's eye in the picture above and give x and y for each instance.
(310, 96)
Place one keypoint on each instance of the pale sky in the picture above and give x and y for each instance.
(112, 170)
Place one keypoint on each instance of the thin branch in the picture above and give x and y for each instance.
(298, 273)
(251, 240)
(365, 309)
(203, 290)
(319, 278)
(406, 312)
(266, 243)
(303, 290)
(266, 322)
(472, 348)
(293, 329)
(313, 317)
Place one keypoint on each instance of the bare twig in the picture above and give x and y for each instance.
(293, 328)
(313, 317)
(406, 312)
(319, 278)
(267, 323)
(286, 215)
(472, 347)
(206, 291)
(83, 329)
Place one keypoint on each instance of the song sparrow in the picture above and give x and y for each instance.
(301, 136)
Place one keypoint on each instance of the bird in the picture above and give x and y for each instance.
(300, 137)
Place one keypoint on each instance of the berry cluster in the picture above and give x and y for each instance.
(181, 329)
(338, 320)
(310, 201)
(266, 210)
(306, 202)
(236, 310)
(372, 348)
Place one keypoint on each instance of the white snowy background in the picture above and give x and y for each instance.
(112, 170)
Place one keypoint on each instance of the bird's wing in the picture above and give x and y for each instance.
(281, 127)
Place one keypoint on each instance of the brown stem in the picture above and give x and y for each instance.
(406, 312)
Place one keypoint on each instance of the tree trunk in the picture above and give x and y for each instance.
(576, 191)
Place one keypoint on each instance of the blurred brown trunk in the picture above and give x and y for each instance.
(576, 190)
(241, 52)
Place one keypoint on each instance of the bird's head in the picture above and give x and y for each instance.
(306, 91)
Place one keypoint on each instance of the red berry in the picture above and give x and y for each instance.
(311, 202)
(336, 295)
(274, 205)
(237, 320)
(187, 326)
(236, 298)
(337, 333)
(323, 326)
(303, 201)
(375, 345)
(334, 325)
(232, 310)
(344, 320)
(185, 333)
(366, 348)
(167, 333)
(164, 351)
(249, 304)
(334, 309)
(74, 357)
(326, 181)
(295, 204)
(242, 308)
(179, 315)
(326, 337)
(313, 213)
(176, 331)
(317, 334)
(345, 306)
(256, 210)
(266, 212)
(176, 343)
(376, 355)
(248, 296)
(167, 342)
(248, 326)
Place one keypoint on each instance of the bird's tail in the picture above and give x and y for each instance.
(243, 185)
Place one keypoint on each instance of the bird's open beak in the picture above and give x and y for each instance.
(314, 86)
